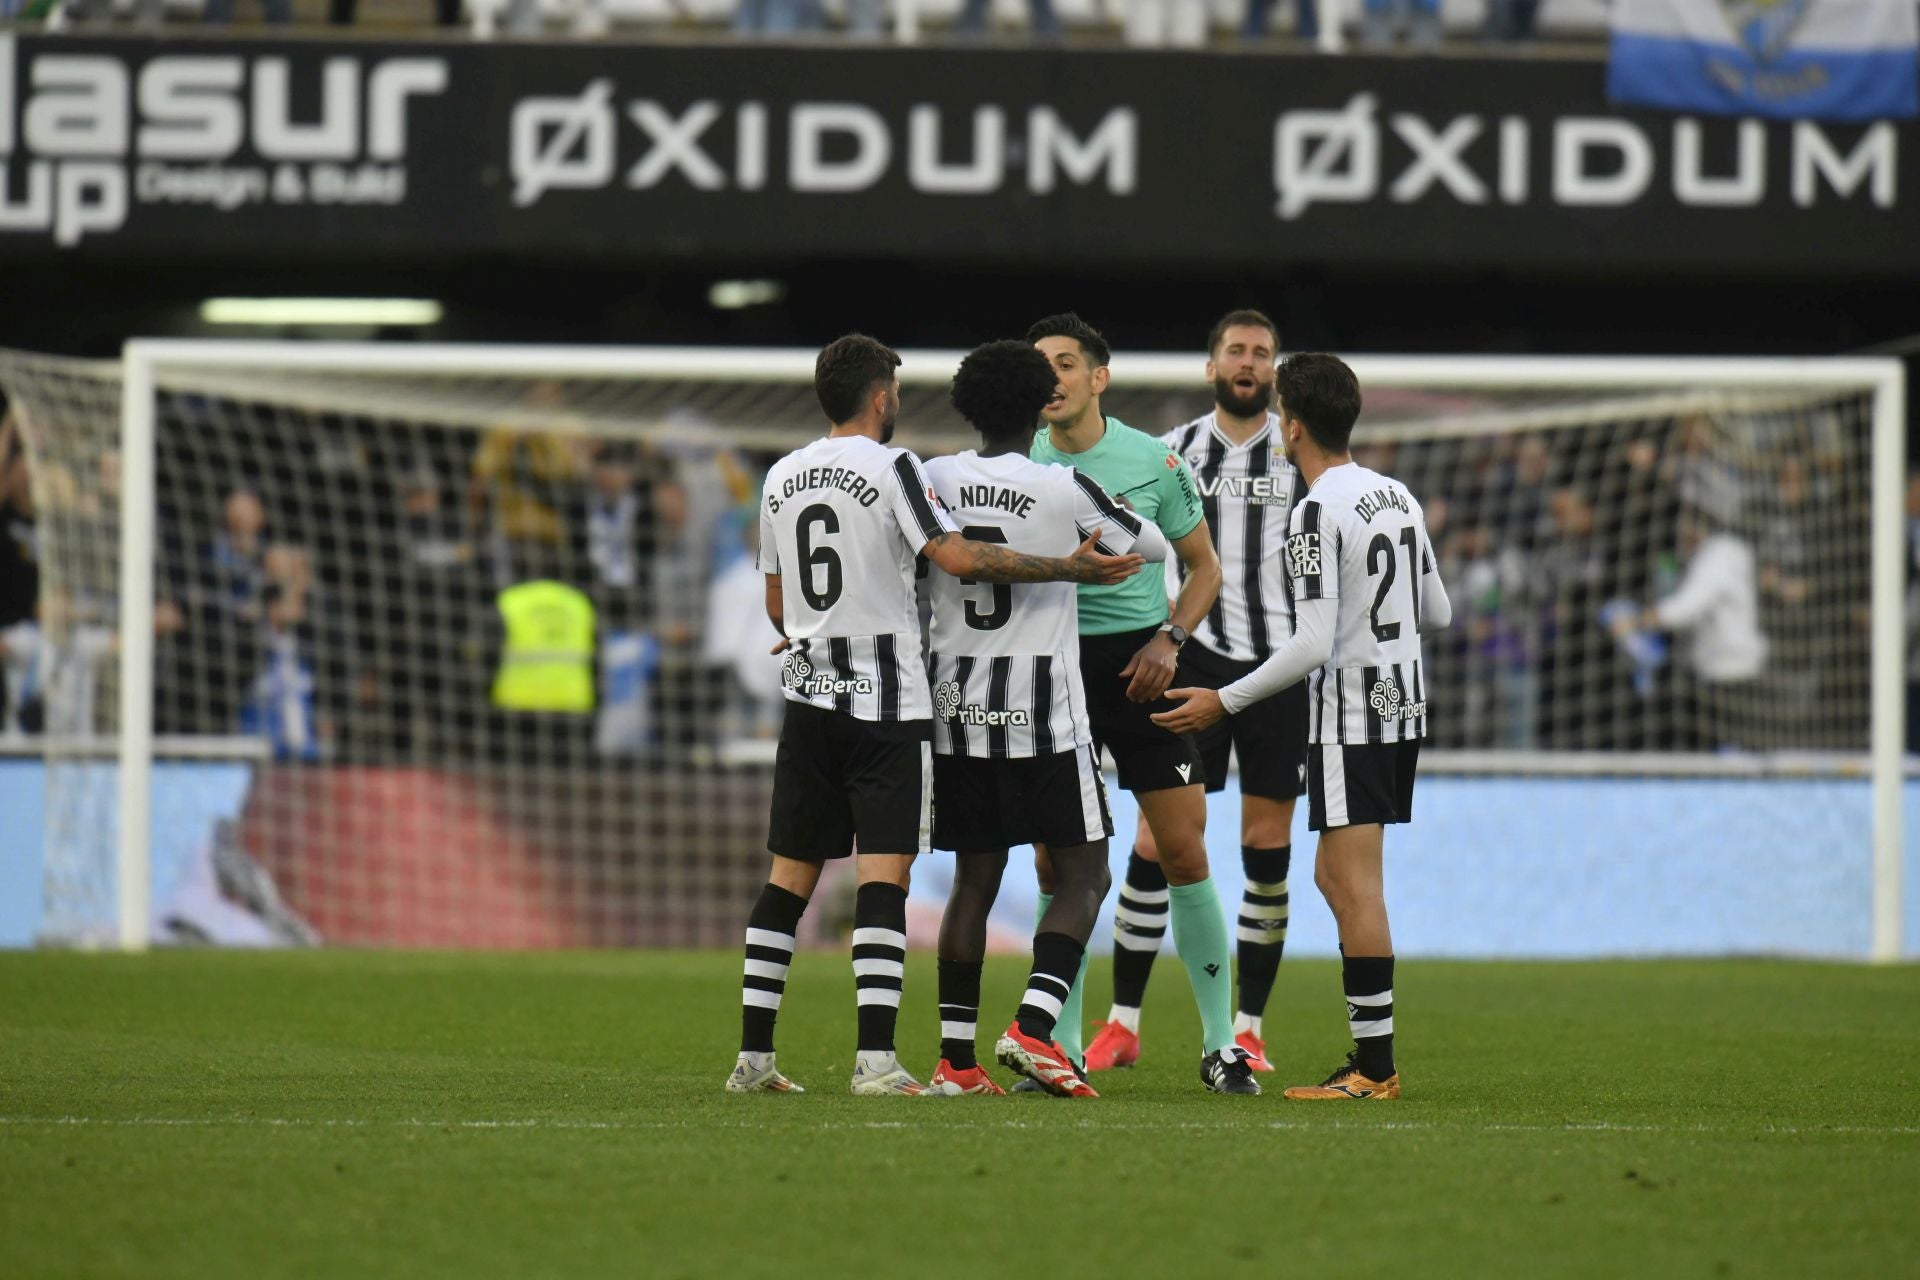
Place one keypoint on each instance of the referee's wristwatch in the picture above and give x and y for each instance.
(1176, 633)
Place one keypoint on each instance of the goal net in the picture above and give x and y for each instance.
(272, 664)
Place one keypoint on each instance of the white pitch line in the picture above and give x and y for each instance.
(282, 1122)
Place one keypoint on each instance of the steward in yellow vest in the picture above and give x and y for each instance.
(547, 662)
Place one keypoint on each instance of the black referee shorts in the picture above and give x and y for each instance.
(1146, 757)
(838, 780)
(1269, 738)
(1367, 782)
(981, 804)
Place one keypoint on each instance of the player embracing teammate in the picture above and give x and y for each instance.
(842, 521)
(1014, 759)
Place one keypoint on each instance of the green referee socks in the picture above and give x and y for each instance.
(1069, 1030)
(1200, 935)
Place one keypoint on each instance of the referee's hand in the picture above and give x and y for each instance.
(1151, 670)
(1198, 708)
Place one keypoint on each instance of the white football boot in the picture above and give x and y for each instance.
(876, 1074)
(755, 1073)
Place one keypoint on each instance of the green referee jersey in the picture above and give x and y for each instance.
(1158, 483)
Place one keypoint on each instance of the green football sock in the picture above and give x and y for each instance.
(1068, 1030)
(1200, 935)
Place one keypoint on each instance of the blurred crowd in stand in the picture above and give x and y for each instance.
(1685, 585)
(340, 587)
(1418, 24)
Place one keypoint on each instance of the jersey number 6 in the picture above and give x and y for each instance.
(821, 557)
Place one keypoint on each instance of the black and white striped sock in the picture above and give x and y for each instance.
(1369, 983)
(1139, 923)
(1056, 962)
(770, 931)
(959, 1012)
(879, 961)
(1262, 931)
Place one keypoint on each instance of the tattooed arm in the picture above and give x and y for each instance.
(988, 562)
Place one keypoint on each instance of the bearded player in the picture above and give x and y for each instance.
(1247, 490)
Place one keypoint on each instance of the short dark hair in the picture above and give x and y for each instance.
(1001, 387)
(847, 371)
(1069, 325)
(1244, 316)
(1320, 392)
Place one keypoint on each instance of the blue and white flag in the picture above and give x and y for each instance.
(1789, 59)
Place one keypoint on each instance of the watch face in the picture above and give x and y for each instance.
(1177, 634)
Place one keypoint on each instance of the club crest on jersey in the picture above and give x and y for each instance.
(1385, 699)
(947, 705)
(946, 699)
(1303, 555)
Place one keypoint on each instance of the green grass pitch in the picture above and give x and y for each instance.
(211, 1115)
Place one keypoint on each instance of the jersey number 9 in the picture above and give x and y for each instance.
(1002, 611)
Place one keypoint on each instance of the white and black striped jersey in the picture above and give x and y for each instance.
(1248, 492)
(1360, 538)
(1005, 661)
(842, 522)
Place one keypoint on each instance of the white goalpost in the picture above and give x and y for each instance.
(295, 550)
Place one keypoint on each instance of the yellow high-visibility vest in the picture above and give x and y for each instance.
(548, 661)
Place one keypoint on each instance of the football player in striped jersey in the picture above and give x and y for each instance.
(1365, 589)
(842, 522)
(1247, 490)
(1014, 760)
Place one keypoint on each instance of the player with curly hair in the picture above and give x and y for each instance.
(1013, 752)
(842, 523)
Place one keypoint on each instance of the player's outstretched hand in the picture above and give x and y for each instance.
(1089, 565)
(1198, 708)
